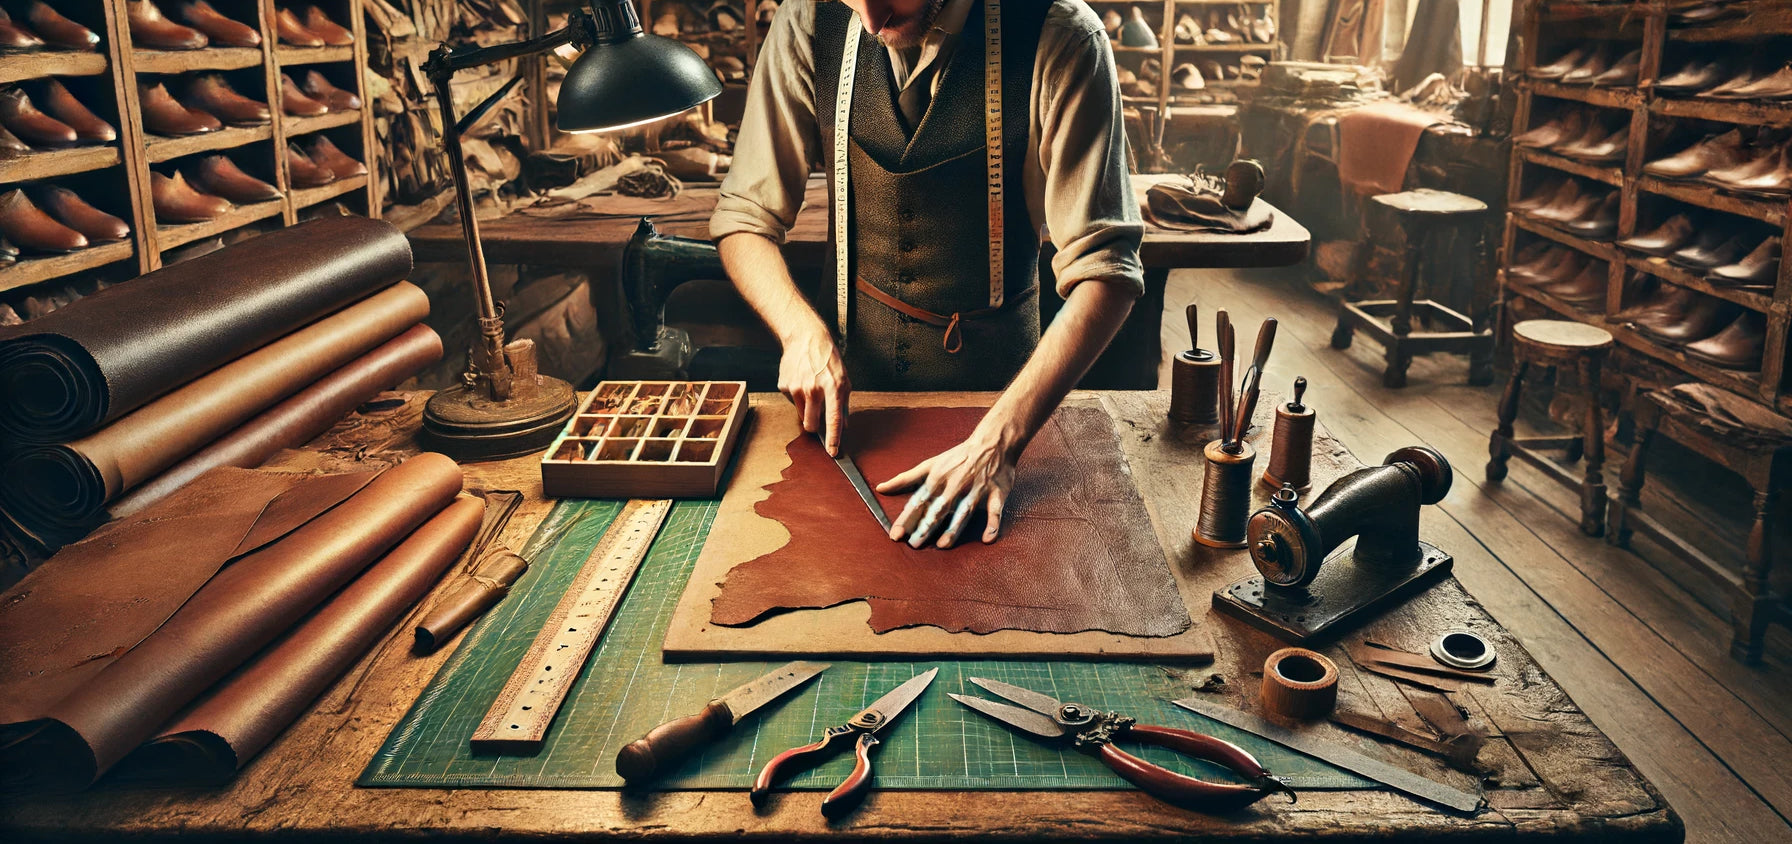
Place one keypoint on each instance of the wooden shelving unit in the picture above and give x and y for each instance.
(116, 176)
(1547, 29)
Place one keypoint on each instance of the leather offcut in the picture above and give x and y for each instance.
(1077, 553)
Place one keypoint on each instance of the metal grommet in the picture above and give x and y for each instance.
(1464, 649)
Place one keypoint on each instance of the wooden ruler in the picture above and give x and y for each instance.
(518, 720)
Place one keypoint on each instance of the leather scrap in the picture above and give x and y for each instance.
(1375, 652)
(498, 570)
(1078, 551)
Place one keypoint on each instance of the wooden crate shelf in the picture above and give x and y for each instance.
(1725, 111)
(28, 271)
(1660, 268)
(181, 234)
(1561, 308)
(1603, 251)
(1613, 176)
(292, 56)
(17, 68)
(50, 164)
(1590, 94)
(1224, 48)
(312, 196)
(186, 61)
(306, 125)
(1704, 196)
(161, 149)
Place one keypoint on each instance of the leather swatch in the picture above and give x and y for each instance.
(1077, 553)
(239, 611)
(71, 371)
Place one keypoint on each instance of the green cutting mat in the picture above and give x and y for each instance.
(625, 690)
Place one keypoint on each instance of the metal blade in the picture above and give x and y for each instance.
(854, 477)
(886, 708)
(1398, 779)
(1014, 716)
(1025, 697)
(768, 688)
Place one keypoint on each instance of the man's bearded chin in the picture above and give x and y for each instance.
(911, 32)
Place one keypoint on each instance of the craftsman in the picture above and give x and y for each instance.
(926, 312)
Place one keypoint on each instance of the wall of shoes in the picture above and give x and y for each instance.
(1651, 170)
(136, 128)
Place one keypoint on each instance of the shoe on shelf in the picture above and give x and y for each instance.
(1562, 127)
(17, 39)
(71, 210)
(292, 32)
(219, 176)
(176, 201)
(1563, 63)
(1712, 249)
(1723, 90)
(1546, 194)
(1766, 172)
(1669, 304)
(1714, 152)
(150, 28)
(1599, 147)
(1703, 317)
(212, 93)
(1758, 268)
(22, 118)
(222, 31)
(1597, 62)
(1623, 72)
(58, 32)
(1599, 222)
(11, 146)
(1665, 239)
(333, 34)
(26, 226)
(1586, 289)
(1693, 77)
(304, 172)
(1773, 87)
(162, 115)
(296, 102)
(63, 106)
(324, 154)
(318, 87)
(1738, 346)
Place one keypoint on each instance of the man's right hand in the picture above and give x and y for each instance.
(812, 374)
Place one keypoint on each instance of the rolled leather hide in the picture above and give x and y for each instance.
(298, 419)
(71, 371)
(239, 717)
(238, 612)
(55, 491)
(498, 570)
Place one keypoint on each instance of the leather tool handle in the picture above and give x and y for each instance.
(666, 745)
(1222, 323)
(851, 791)
(808, 754)
(1247, 398)
(1171, 787)
(1194, 327)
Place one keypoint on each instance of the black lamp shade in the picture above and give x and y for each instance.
(635, 80)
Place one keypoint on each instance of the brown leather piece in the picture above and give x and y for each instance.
(238, 612)
(55, 489)
(1078, 551)
(488, 583)
(70, 371)
(298, 419)
(220, 733)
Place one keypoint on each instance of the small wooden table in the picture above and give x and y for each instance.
(1553, 775)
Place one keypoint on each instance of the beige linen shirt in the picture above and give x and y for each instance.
(1074, 175)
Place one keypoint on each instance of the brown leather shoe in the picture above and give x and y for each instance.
(59, 32)
(1715, 152)
(17, 39)
(1596, 63)
(63, 106)
(1769, 176)
(1558, 129)
(294, 101)
(223, 31)
(1738, 346)
(325, 154)
(1665, 239)
(1622, 73)
(1757, 268)
(332, 33)
(212, 94)
(1714, 248)
(1742, 79)
(319, 88)
(11, 146)
(1551, 265)
(1581, 206)
(21, 117)
(220, 176)
(1547, 194)
(1600, 222)
(1668, 305)
(287, 26)
(1706, 316)
(163, 116)
(73, 211)
(1566, 62)
(304, 172)
(177, 202)
(1694, 76)
(30, 229)
(1774, 86)
(149, 28)
(1605, 149)
(1585, 289)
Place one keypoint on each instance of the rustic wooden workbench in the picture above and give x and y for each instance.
(1550, 772)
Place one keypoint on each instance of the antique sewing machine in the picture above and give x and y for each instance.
(1312, 582)
(654, 265)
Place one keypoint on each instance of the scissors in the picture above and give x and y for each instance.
(864, 725)
(1094, 731)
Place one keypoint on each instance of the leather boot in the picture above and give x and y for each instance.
(1714, 248)
(1706, 316)
(1585, 289)
(63, 106)
(318, 87)
(306, 173)
(11, 146)
(59, 32)
(220, 176)
(1738, 346)
(294, 101)
(163, 116)
(73, 211)
(17, 39)
(1566, 62)
(21, 117)
(1664, 239)
(287, 26)
(1715, 152)
(1757, 268)
(1694, 76)
(1622, 73)
(332, 33)
(177, 202)
(1669, 305)
(325, 154)
(1601, 223)
(211, 93)
(1561, 128)
(149, 28)
(223, 31)
(30, 229)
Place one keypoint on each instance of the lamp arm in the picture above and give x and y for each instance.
(445, 61)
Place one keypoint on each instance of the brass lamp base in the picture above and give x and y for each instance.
(468, 426)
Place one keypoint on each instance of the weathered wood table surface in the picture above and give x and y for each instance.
(1549, 772)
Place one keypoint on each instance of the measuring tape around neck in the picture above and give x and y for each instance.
(992, 133)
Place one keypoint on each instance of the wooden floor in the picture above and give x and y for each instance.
(1644, 657)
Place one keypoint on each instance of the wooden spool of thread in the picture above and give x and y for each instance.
(1291, 449)
(1225, 496)
(1195, 388)
(1298, 683)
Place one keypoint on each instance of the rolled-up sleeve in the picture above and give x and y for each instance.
(778, 133)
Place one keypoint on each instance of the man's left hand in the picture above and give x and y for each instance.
(952, 485)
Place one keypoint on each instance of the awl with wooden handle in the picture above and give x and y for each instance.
(666, 745)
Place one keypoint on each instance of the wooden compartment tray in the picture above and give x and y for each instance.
(647, 439)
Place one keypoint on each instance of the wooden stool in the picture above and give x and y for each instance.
(1553, 344)
(1423, 215)
(1766, 468)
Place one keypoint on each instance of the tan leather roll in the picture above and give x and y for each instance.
(490, 581)
(1299, 683)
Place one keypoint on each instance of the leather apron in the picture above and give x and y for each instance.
(920, 309)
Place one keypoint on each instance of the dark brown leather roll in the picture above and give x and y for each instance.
(71, 371)
(54, 490)
(238, 612)
(498, 570)
(212, 740)
(298, 419)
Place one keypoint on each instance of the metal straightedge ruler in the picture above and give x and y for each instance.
(518, 721)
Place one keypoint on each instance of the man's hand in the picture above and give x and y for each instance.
(953, 484)
(813, 376)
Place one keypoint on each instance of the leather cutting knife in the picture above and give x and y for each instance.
(666, 745)
(857, 479)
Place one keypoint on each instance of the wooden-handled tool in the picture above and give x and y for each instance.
(668, 744)
(1222, 322)
(1253, 381)
(1194, 327)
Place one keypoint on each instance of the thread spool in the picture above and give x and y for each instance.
(1195, 388)
(1291, 446)
(1225, 496)
(1299, 683)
